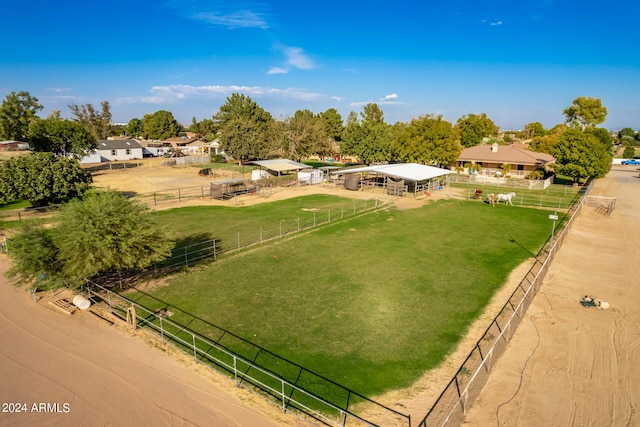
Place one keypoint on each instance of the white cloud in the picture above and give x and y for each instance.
(297, 58)
(363, 103)
(391, 96)
(172, 93)
(277, 70)
(236, 19)
(494, 24)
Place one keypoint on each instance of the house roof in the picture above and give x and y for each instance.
(179, 140)
(117, 144)
(406, 171)
(493, 153)
(280, 165)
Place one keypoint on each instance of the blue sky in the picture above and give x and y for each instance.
(516, 61)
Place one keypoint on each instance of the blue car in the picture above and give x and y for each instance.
(631, 162)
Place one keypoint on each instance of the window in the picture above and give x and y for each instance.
(113, 152)
(520, 167)
(128, 151)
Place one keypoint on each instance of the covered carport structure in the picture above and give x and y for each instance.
(278, 166)
(396, 179)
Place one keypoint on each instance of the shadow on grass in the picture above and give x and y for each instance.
(278, 366)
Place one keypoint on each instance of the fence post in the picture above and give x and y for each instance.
(195, 352)
(186, 258)
(260, 234)
(155, 202)
(161, 330)
(329, 215)
(298, 224)
(238, 241)
(284, 403)
(354, 207)
(235, 369)
(179, 196)
(314, 219)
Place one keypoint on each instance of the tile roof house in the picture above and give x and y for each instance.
(492, 156)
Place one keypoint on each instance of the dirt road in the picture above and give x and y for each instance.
(78, 370)
(573, 366)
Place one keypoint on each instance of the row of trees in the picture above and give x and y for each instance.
(246, 131)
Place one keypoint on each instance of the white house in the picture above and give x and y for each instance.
(119, 149)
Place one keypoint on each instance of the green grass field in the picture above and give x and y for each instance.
(371, 302)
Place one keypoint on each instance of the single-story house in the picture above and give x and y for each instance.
(490, 158)
(119, 149)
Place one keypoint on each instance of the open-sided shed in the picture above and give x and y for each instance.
(280, 165)
(400, 177)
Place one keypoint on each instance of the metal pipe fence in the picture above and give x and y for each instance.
(229, 241)
(561, 199)
(232, 240)
(465, 387)
(288, 395)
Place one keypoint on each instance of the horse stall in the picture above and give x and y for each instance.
(395, 188)
(230, 188)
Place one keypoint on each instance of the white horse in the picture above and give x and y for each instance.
(506, 198)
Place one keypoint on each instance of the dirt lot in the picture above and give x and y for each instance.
(566, 365)
(573, 366)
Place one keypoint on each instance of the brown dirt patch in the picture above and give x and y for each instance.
(570, 365)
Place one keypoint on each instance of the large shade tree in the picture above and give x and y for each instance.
(305, 136)
(369, 139)
(585, 112)
(102, 234)
(42, 179)
(581, 155)
(247, 132)
(60, 136)
(427, 140)
(333, 125)
(547, 142)
(160, 125)
(17, 111)
(533, 129)
(474, 127)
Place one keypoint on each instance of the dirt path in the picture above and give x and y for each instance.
(92, 373)
(573, 366)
